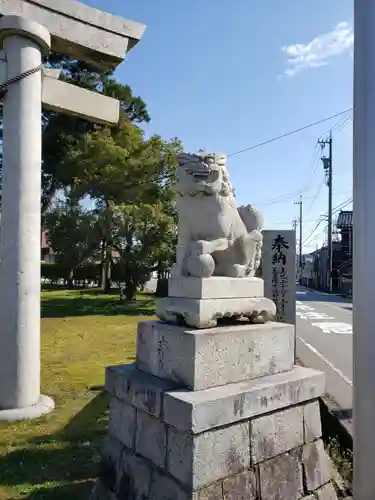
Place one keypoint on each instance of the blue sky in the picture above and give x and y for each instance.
(223, 75)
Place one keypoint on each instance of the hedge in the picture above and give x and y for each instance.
(55, 272)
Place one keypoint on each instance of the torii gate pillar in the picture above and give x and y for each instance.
(24, 42)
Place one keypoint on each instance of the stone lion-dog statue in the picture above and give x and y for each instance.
(215, 237)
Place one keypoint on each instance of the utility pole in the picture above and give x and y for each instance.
(299, 202)
(294, 227)
(327, 165)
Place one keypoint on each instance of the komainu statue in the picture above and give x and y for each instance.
(215, 238)
(218, 251)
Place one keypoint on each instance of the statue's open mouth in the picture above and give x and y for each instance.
(204, 175)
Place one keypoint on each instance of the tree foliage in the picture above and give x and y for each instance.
(61, 132)
(143, 236)
(125, 177)
(73, 234)
(131, 180)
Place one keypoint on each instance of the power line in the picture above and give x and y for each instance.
(340, 125)
(313, 163)
(312, 237)
(316, 236)
(342, 205)
(335, 210)
(286, 197)
(315, 158)
(287, 222)
(287, 134)
(316, 195)
(327, 139)
(308, 237)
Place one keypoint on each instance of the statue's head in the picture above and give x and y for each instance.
(204, 173)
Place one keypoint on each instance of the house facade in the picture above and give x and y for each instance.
(342, 257)
(46, 251)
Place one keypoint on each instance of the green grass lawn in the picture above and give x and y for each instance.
(56, 457)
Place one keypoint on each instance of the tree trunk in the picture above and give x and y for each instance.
(106, 256)
(130, 291)
(70, 281)
(105, 281)
(107, 268)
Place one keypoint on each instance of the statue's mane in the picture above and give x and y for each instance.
(227, 188)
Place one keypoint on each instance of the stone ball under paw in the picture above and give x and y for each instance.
(201, 266)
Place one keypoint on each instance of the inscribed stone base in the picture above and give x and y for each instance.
(204, 313)
(274, 452)
(199, 359)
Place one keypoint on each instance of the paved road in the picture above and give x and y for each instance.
(324, 342)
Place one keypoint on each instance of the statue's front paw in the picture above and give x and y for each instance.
(200, 247)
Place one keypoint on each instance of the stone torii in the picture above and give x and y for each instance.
(28, 30)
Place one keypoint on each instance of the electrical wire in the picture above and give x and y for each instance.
(340, 125)
(313, 162)
(308, 239)
(313, 237)
(313, 165)
(287, 134)
(286, 197)
(342, 205)
(288, 222)
(316, 156)
(316, 195)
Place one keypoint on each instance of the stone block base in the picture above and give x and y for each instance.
(204, 313)
(200, 302)
(264, 444)
(216, 287)
(199, 359)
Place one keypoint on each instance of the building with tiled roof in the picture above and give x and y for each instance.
(46, 250)
(345, 220)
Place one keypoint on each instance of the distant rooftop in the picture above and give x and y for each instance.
(345, 219)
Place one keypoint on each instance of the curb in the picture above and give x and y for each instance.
(339, 430)
(336, 425)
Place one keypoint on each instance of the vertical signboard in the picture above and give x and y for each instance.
(279, 272)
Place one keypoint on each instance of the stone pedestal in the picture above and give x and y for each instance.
(219, 414)
(200, 302)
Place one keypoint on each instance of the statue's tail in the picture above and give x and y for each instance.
(253, 221)
(251, 217)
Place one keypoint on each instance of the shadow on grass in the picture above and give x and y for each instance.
(99, 304)
(70, 491)
(70, 457)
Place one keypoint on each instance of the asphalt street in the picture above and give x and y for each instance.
(324, 342)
